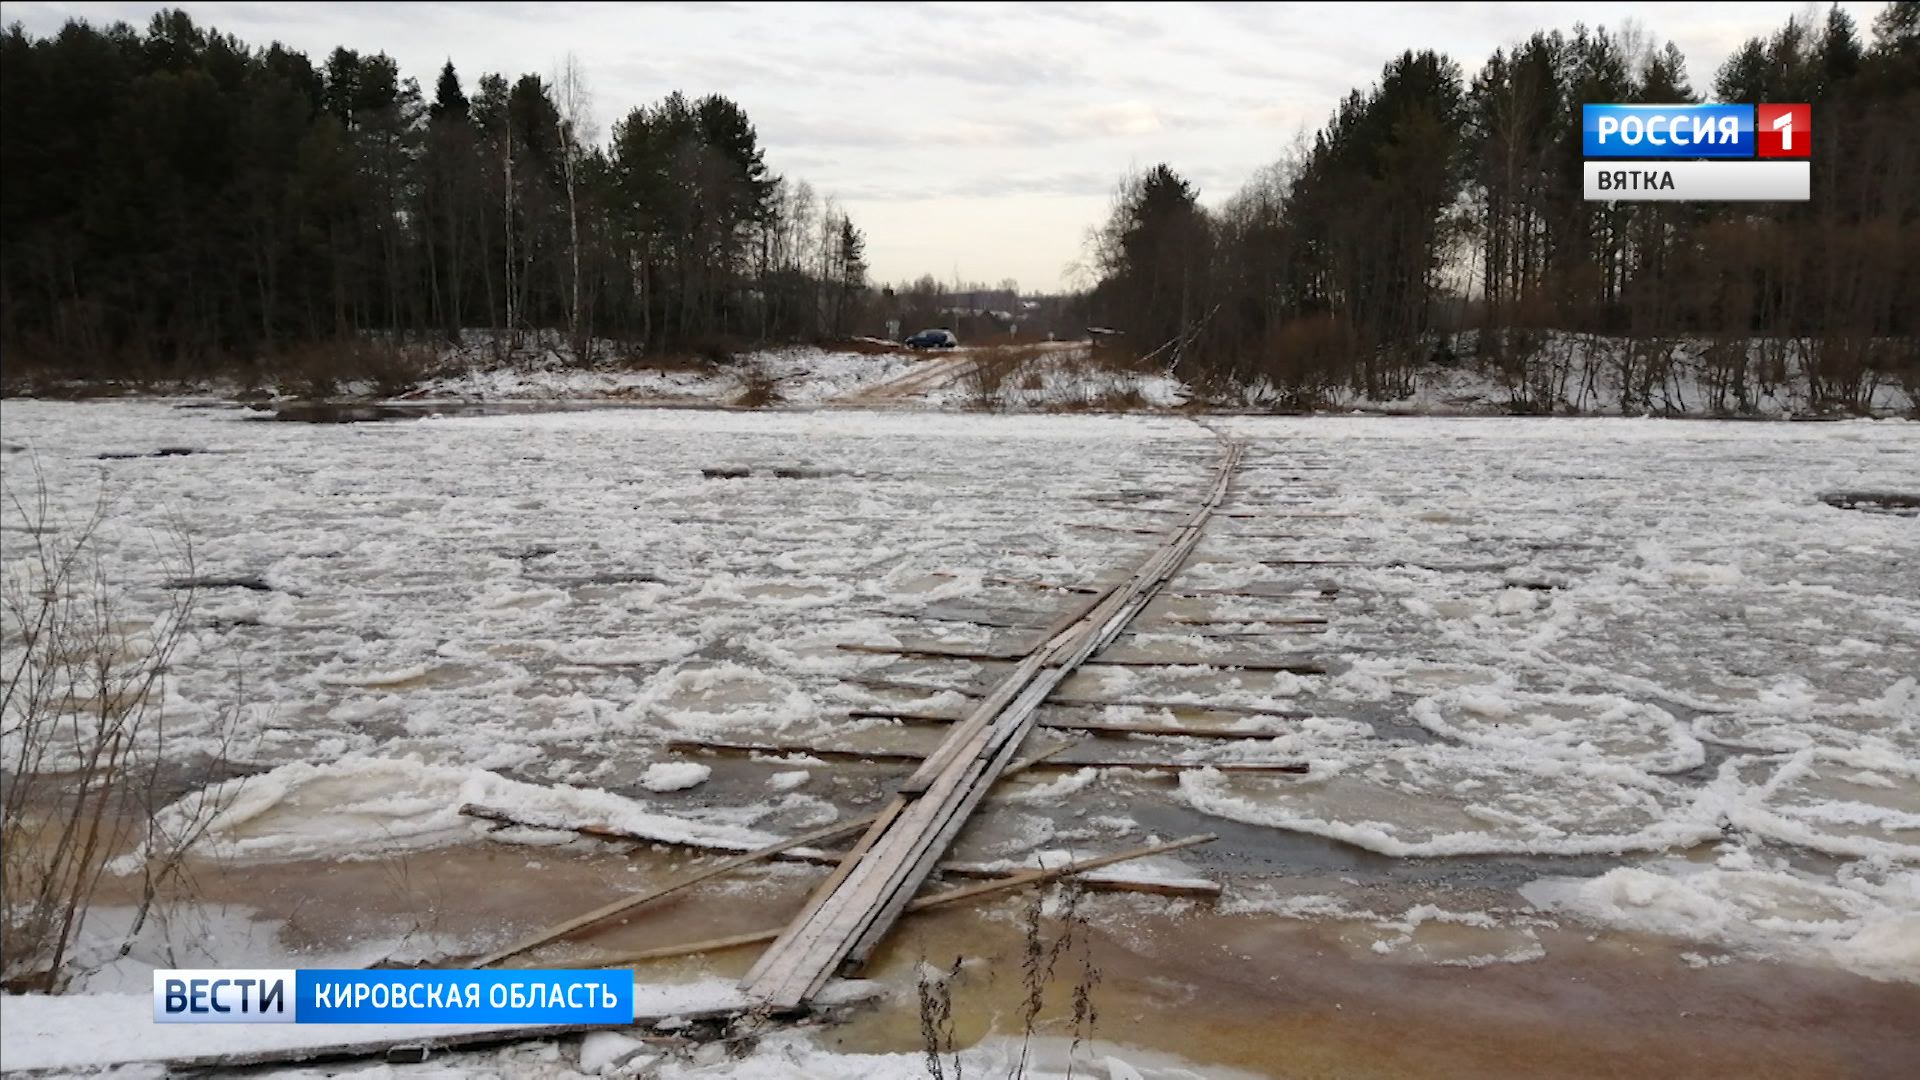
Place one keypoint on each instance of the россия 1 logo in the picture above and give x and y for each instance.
(1697, 153)
(1784, 131)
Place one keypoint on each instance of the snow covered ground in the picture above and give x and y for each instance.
(799, 376)
(1641, 654)
(1588, 374)
(1565, 373)
(1057, 378)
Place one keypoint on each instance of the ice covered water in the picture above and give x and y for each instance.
(1644, 655)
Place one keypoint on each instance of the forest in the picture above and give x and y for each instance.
(1432, 204)
(176, 200)
(179, 201)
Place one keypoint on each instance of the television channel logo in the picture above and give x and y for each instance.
(1697, 153)
(1783, 131)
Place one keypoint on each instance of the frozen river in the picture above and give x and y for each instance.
(1629, 673)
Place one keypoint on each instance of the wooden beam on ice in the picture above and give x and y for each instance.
(1066, 701)
(1233, 663)
(952, 896)
(831, 753)
(628, 903)
(848, 924)
(1090, 727)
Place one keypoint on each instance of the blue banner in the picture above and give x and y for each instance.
(527, 997)
(1666, 131)
(319, 996)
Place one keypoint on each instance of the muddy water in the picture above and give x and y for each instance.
(1284, 998)
(1270, 996)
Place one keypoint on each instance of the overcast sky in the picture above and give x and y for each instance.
(970, 140)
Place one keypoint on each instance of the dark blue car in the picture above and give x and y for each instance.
(933, 339)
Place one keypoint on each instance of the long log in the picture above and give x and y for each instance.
(1091, 727)
(1292, 667)
(1274, 620)
(1089, 703)
(992, 621)
(951, 896)
(1256, 594)
(819, 857)
(628, 903)
(936, 651)
(834, 753)
(1096, 527)
(1283, 630)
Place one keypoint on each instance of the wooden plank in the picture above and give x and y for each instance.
(1022, 583)
(1096, 527)
(1234, 663)
(1093, 703)
(935, 650)
(964, 738)
(1248, 592)
(627, 903)
(1280, 514)
(951, 782)
(1050, 586)
(966, 652)
(993, 620)
(1050, 642)
(1104, 623)
(874, 682)
(1038, 875)
(818, 857)
(1274, 620)
(824, 893)
(598, 831)
(1287, 630)
(1074, 613)
(1091, 727)
(941, 899)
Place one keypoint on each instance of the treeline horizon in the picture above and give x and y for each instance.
(178, 201)
(1432, 203)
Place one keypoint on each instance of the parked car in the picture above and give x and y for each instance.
(933, 339)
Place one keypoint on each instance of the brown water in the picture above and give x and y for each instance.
(1270, 995)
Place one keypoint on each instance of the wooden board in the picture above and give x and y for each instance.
(1091, 727)
(834, 753)
(951, 896)
(850, 922)
(628, 903)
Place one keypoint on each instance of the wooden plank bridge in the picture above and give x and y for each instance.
(848, 916)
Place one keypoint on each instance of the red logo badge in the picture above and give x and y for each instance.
(1783, 131)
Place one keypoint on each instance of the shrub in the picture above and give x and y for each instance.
(82, 738)
(759, 389)
(324, 369)
(991, 369)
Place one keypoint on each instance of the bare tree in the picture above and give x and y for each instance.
(577, 132)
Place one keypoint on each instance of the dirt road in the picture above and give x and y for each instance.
(923, 376)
